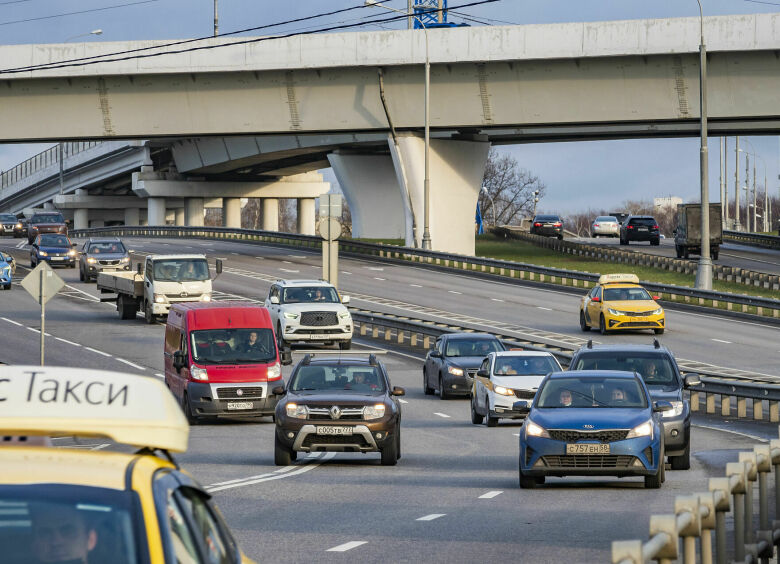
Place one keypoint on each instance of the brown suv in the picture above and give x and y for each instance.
(45, 222)
(338, 405)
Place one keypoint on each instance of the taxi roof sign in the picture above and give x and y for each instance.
(618, 279)
(58, 401)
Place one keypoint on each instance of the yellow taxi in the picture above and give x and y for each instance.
(70, 505)
(617, 302)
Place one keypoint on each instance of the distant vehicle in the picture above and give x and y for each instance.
(57, 250)
(452, 363)
(687, 233)
(618, 303)
(503, 378)
(10, 260)
(592, 423)
(7, 223)
(45, 222)
(547, 226)
(338, 404)
(20, 228)
(102, 255)
(605, 226)
(6, 272)
(640, 228)
(620, 216)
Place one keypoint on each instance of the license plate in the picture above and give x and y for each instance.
(332, 430)
(240, 405)
(643, 229)
(587, 449)
(321, 337)
(57, 258)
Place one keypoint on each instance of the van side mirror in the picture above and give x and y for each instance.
(692, 380)
(278, 391)
(397, 391)
(286, 356)
(345, 300)
(218, 267)
(178, 360)
(274, 300)
(482, 373)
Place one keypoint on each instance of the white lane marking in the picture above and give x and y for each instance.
(431, 517)
(90, 296)
(236, 481)
(33, 330)
(346, 546)
(390, 351)
(286, 262)
(260, 258)
(754, 437)
(544, 308)
(377, 278)
(403, 401)
(495, 300)
(722, 341)
(441, 414)
(130, 363)
(67, 341)
(490, 495)
(345, 272)
(11, 321)
(516, 434)
(97, 351)
(234, 253)
(375, 268)
(252, 481)
(454, 292)
(288, 270)
(415, 286)
(297, 256)
(159, 375)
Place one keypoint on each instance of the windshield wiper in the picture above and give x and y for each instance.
(254, 360)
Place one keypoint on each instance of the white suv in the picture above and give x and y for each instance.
(309, 311)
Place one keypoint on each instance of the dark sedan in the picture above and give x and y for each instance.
(57, 250)
(452, 363)
(102, 255)
(45, 222)
(7, 223)
(547, 226)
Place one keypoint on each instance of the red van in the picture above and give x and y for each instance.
(221, 359)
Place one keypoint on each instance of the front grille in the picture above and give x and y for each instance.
(334, 440)
(601, 436)
(524, 394)
(347, 413)
(588, 461)
(638, 323)
(188, 297)
(246, 393)
(310, 331)
(472, 373)
(319, 318)
(638, 313)
(108, 262)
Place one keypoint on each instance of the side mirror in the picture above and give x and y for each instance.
(178, 360)
(278, 391)
(596, 299)
(522, 406)
(660, 406)
(483, 373)
(436, 354)
(656, 297)
(218, 266)
(73, 245)
(139, 268)
(274, 300)
(398, 391)
(692, 380)
(345, 300)
(286, 356)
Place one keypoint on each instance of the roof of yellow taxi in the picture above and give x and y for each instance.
(51, 465)
(622, 285)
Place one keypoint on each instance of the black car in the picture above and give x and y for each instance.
(658, 368)
(338, 404)
(20, 228)
(547, 225)
(7, 223)
(640, 228)
(452, 363)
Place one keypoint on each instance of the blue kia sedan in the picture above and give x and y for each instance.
(55, 249)
(6, 271)
(592, 423)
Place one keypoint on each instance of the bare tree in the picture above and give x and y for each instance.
(511, 188)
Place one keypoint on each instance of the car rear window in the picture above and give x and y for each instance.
(649, 221)
(607, 219)
(655, 368)
(547, 218)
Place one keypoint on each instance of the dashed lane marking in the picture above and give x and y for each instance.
(346, 546)
(345, 272)
(495, 300)
(491, 494)
(441, 414)
(722, 341)
(403, 401)
(294, 471)
(377, 278)
(11, 321)
(544, 308)
(130, 363)
(97, 351)
(431, 517)
(415, 286)
(454, 292)
(288, 270)
(67, 341)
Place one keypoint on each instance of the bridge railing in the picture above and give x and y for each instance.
(755, 239)
(43, 160)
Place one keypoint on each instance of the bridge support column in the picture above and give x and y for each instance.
(179, 218)
(132, 216)
(231, 212)
(81, 218)
(156, 213)
(270, 214)
(193, 212)
(306, 215)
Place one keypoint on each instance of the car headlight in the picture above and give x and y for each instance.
(274, 372)
(676, 411)
(159, 299)
(643, 430)
(296, 411)
(199, 373)
(374, 411)
(613, 311)
(503, 391)
(344, 315)
(658, 311)
(124, 260)
(91, 260)
(290, 315)
(43, 253)
(455, 371)
(534, 430)
(34, 228)
(19, 225)
(205, 298)
(71, 253)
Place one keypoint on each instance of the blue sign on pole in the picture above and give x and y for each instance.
(478, 220)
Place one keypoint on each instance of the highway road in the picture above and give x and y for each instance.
(454, 495)
(731, 254)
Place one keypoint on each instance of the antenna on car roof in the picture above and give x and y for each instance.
(306, 359)
(656, 344)
(372, 360)
(590, 343)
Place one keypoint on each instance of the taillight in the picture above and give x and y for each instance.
(557, 224)
(630, 227)
(537, 224)
(595, 225)
(655, 227)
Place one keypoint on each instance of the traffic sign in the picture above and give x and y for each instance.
(330, 228)
(331, 205)
(42, 283)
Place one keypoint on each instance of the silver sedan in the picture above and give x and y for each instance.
(605, 226)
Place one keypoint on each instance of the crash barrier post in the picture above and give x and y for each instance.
(696, 517)
(755, 239)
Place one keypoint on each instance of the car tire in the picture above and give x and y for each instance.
(686, 253)
(560, 237)
(442, 392)
(279, 339)
(602, 325)
(32, 263)
(584, 324)
(594, 236)
(623, 241)
(490, 421)
(428, 391)
(654, 482)
(658, 331)
(398, 441)
(678, 251)
(476, 418)
(390, 454)
(683, 461)
(192, 419)
(714, 255)
(526, 482)
(655, 242)
(148, 313)
(81, 275)
(283, 456)
(345, 345)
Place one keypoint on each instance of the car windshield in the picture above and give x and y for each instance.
(339, 378)
(644, 221)
(304, 294)
(233, 346)
(472, 347)
(62, 523)
(591, 392)
(656, 369)
(621, 294)
(54, 241)
(7, 218)
(525, 366)
(106, 248)
(54, 218)
(178, 270)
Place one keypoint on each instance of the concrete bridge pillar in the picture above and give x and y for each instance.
(306, 213)
(132, 216)
(81, 218)
(156, 211)
(193, 212)
(231, 212)
(179, 217)
(270, 214)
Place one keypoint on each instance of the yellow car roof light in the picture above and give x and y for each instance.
(57, 401)
(618, 279)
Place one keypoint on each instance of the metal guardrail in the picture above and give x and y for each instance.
(764, 307)
(755, 239)
(698, 515)
(43, 160)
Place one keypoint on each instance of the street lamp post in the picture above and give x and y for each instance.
(536, 201)
(756, 156)
(426, 240)
(704, 270)
(492, 203)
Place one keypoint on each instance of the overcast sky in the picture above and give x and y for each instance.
(578, 175)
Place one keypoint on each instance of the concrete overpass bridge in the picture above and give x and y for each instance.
(257, 110)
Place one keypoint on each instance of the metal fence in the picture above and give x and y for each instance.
(43, 160)
(767, 241)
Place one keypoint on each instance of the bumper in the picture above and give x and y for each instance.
(457, 384)
(207, 399)
(677, 434)
(8, 230)
(501, 406)
(548, 231)
(615, 323)
(56, 261)
(5, 281)
(94, 269)
(631, 457)
(299, 334)
(301, 435)
(643, 236)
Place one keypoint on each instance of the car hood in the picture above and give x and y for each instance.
(576, 418)
(106, 256)
(518, 382)
(465, 361)
(633, 305)
(54, 249)
(313, 306)
(347, 398)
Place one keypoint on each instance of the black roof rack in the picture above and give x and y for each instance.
(656, 344)
(590, 343)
